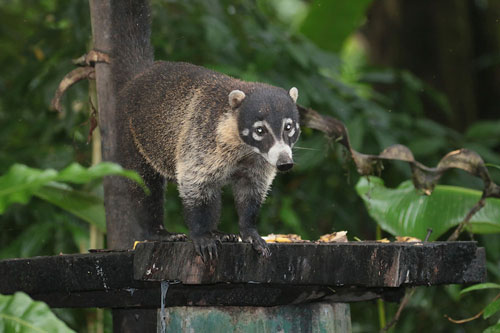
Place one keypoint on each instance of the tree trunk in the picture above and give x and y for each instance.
(114, 23)
(444, 43)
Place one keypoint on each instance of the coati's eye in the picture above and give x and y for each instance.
(288, 127)
(260, 130)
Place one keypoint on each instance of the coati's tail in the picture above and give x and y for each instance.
(132, 52)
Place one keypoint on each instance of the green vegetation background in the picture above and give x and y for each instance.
(285, 43)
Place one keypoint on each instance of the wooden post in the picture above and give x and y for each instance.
(313, 317)
(125, 203)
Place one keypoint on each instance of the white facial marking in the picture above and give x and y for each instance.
(256, 137)
(276, 150)
(287, 121)
(258, 124)
(259, 136)
(245, 132)
(297, 125)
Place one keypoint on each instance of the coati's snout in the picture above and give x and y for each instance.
(268, 121)
(284, 162)
(280, 155)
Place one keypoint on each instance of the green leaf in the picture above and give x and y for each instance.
(491, 309)
(86, 206)
(493, 166)
(30, 242)
(328, 23)
(493, 329)
(404, 211)
(481, 286)
(484, 131)
(425, 146)
(20, 183)
(19, 313)
(75, 173)
(289, 217)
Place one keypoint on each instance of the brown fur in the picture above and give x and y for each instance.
(186, 126)
(185, 110)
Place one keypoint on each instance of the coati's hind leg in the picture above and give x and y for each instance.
(140, 214)
(149, 210)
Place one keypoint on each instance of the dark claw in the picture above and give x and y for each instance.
(206, 247)
(258, 243)
(261, 247)
(223, 237)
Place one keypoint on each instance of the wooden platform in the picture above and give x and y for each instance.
(295, 273)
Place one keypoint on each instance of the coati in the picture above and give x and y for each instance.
(203, 130)
(193, 126)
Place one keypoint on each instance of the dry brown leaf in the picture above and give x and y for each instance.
(383, 240)
(339, 236)
(281, 238)
(408, 239)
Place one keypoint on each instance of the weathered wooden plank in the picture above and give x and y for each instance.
(68, 273)
(106, 280)
(294, 274)
(368, 264)
(242, 294)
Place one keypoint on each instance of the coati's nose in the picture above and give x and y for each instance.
(285, 166)
(284, 162)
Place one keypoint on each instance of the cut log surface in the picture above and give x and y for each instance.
(367, 264)
(295, 273)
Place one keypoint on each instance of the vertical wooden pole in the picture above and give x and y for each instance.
(113, 22)
(121, 29)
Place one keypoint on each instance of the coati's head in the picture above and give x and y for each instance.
(268, 121)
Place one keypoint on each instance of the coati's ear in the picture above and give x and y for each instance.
(294, 94)
(235, 98)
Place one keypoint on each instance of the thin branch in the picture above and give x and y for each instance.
(87, 60)
(70, 79)
(91, 58)
(477, 315)
(409, 293)
(480, 204)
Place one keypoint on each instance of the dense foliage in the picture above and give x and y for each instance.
(279, 42)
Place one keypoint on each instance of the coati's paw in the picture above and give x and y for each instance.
(259, 245)
(223, 237)
(205, 246)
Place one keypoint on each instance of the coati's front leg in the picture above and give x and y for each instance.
(201, 212)
(248, 211)
(249, 188)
